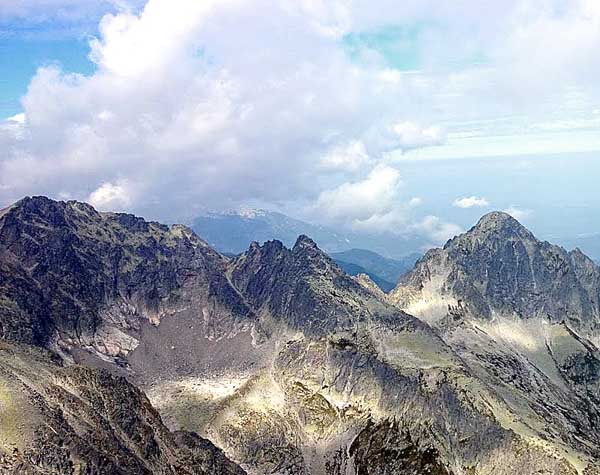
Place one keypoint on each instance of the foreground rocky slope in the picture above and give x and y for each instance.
(83, 284)
(289, 365)
(74, 420)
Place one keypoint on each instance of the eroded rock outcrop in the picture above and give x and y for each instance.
(71, 420)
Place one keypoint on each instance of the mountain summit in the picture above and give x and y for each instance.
(500, 267)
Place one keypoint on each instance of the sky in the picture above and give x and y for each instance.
(405, 117)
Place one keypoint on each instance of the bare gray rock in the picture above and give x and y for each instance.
(71, 420)
(499, 267)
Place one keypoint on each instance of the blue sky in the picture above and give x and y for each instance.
(412, 118)
(21, 57)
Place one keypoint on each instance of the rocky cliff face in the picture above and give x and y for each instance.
(70, 420)
(73, 278)
(500, 268)
(292, 367)
(523, 316)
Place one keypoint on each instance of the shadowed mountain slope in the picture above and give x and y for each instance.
(73, 277)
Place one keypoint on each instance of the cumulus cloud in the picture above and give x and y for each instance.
(376, 204)
(112, 197)
(470, 202)
(210, 103)
(414, 136)
(17, 119)
(518, 213)
(358, 201)
(438, 230)
(347, 157)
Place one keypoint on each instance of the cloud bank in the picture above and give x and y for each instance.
(214, 104)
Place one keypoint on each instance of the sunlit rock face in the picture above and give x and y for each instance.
(292, 367)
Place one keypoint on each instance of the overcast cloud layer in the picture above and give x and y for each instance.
(300, 105)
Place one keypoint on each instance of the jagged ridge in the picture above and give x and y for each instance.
(499, 267)
(58, 420)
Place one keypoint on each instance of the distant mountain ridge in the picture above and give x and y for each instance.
(231, 232)
(383, 271)
(356, 270)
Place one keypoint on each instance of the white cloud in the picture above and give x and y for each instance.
(17, 118)
(202, 105)
(438, 230)
(518, 213)
(216, 103)
(414, 136)
(12, 130)
(373, 204)
(376, 204)
(111, 197)
(470, 202)
(414, 202)
(362, 200)
(348, 157)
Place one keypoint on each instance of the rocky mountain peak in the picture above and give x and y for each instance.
(496, 220)
(29, 208)
(309, 256)
(493, 227)
(302, 286)
(304, 242)
(499, 267)
(80, 264)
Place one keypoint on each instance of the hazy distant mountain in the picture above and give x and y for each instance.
(356, 270)
(383, 271)
(232, 232)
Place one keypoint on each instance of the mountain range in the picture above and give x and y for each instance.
(233, 231)
(133, 347)
(384, 271)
